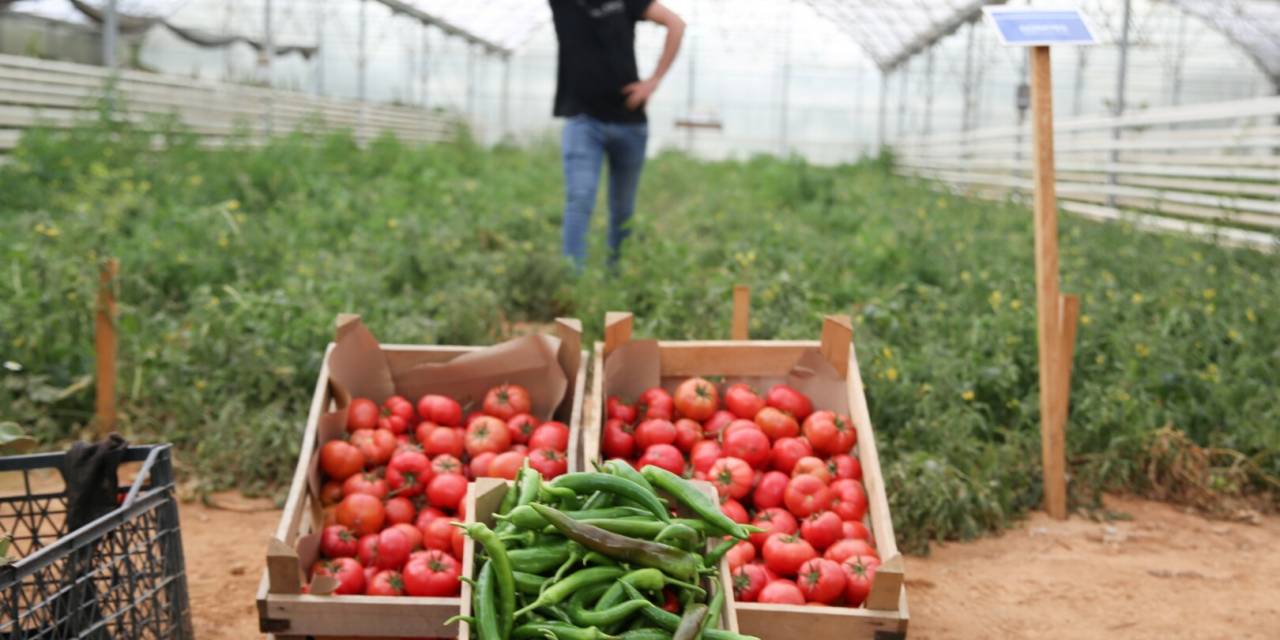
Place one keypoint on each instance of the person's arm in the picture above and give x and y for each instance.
(638, 92)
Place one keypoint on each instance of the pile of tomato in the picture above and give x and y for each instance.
(399, 478)
(777, 464)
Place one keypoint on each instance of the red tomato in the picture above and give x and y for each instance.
(403, 443)
(368, 483)
(846, 434)
(549, 462)
(664, 456)
(740, 554)
(738, 425)
(340, 460)
(844, 467)
(386, 583)
(688, 433)
(412, 532)
(362, 413)
(408, 474)
(655, 431)
(398, 414)
(696, 398)
(731, 476)
(821, 580)
(348, 573)
(842, 550)
(749, 444)
(734, 509)
(521, 426)
(859, 577)
(445, 463)
(506, 400)
(849, 500)
(447, 491)
(616, 409)
(399, 509)
(458, 541)
(712, 427)
(780, 591)
(376, 445)
(785, 553)
(331, 493)
(703, 454)
(506, 465)
(781, 396)
(438, 441)
(748, 580)
(822, 431)
(655, 403)
(617, 440)
(479, 465)
(385, 550)
(427, 514)
(770, 490)
(361, 513)
(743, 401)
(772, 520)
(434, 574)
(806, 495)
(786, 451)
(854, 529)
(337, 541)
(437, 533)
(487, 434)
(821, 529)
(551, 435)
(812, 466)
(441, 410)
(777, 424)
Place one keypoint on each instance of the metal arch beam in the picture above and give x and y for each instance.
(398, 6)
(962, 16)
(852, 17)
(1269, 67)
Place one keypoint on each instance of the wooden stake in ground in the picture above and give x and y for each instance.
(105, 348)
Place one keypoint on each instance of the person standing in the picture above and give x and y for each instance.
(602, 98)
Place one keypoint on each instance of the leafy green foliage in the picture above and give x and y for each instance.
(234, 262)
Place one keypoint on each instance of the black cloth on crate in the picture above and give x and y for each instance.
(89, 471)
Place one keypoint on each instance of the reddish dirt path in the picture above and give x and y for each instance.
(1164, 574)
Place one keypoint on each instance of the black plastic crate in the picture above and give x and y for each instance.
(118, 577)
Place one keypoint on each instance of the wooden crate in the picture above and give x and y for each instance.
(884, 615)
(483, 497)
(282, 608)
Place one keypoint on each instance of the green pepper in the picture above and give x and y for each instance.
(486, 614)
(527, 582)
(645, 634)
(506, 584)
(540, 559)
(690, 623)
(636, 528)
(679, 535)
(713, 558)
(642, 579)
(580, 579)
(559, 631)
(583, 483)
(689, 495)
(680, 564)
(624, 470)
(671, 621)
(716, 606)
(525, 517)
(581, 615)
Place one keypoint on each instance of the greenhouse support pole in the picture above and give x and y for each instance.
(784, 127)
(1055, 312)
(320, 47)
(361, 60)
(928, 93)
(1077, 98)
(902, 96)
(967, 83)
(506, 96)
(1122, 73)
(471, 84)
(268, 52)
(880, 120)
(110, 34)
(426, 73)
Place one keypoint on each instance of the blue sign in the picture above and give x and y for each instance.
(1028, 27)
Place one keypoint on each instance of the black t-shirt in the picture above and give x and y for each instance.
(597, 57)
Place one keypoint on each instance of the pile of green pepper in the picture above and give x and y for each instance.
(587, 556)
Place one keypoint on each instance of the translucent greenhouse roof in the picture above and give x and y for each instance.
(1253, 25)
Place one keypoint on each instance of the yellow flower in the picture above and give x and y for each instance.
(1085, 319)
(967, 395)
(1209, 309)
(470, 185)
(201, 384)
(1253, 317)
(1013, 403)
(891, 374)
(392, 223)
(1015, 304)
(964, 276)
(888, 352)
(1101, 359)
(1142, 350)
(1137, 298)
(1210, 373)
(1234, 335)
(920, 212)
(195, 180)
(233, 205)
(995, 299)
(1209, 294)
(222, 241)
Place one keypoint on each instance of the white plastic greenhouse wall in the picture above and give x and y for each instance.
(782, 76)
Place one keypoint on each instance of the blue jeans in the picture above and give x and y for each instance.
(584, 144)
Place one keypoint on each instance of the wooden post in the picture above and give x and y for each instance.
(741, 312)
(1049, 305)
(617, 330)
(104, 340)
